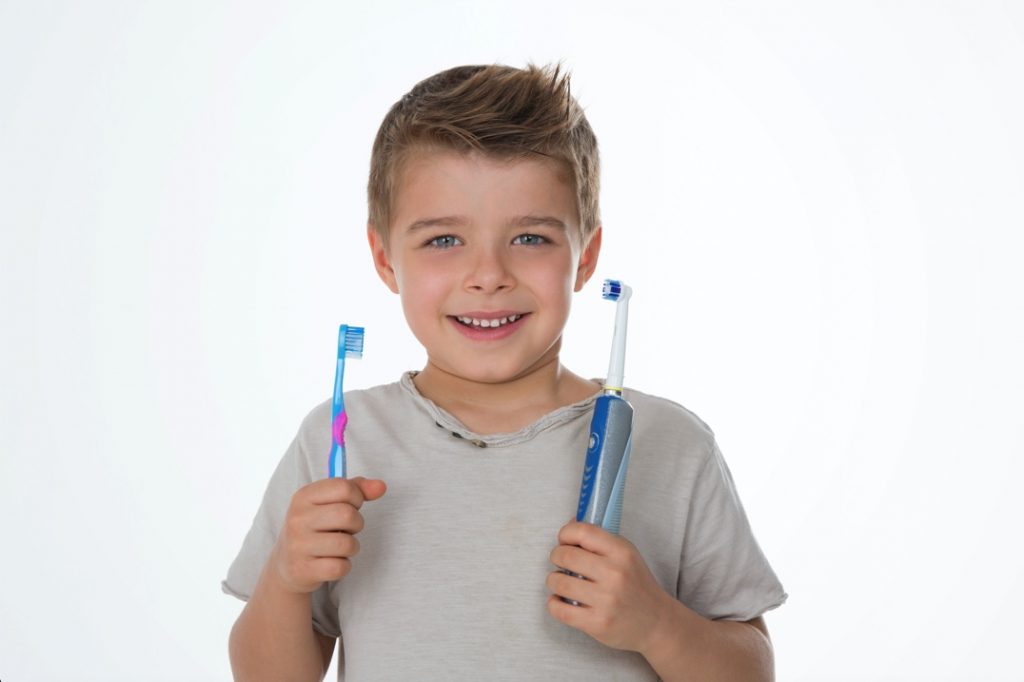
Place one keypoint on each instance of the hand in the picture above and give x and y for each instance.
(317, 540)
(621, 605)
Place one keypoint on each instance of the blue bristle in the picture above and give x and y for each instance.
(354, 342)
(612, 289)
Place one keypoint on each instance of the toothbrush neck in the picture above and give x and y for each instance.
(618, 357)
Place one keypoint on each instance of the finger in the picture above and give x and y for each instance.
(333, 490)
(336, 545)
(575, 588)
(590, 537)
(337, 516)
(574, 616)
(372, 488)
(577, 560)
(327, 569)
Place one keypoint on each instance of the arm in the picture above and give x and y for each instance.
(273, 638)
(691, 647)
(622, 606)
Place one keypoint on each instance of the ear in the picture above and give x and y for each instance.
(381, 260)
(588, 259)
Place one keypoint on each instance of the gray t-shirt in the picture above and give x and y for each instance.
(449, 583)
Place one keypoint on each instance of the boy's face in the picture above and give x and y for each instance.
(485, 254)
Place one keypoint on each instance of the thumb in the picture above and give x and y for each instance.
(372, 488)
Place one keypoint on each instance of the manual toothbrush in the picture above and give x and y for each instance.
(350, 345)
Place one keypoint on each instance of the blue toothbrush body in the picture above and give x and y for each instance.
(604, 470)
(350, 345)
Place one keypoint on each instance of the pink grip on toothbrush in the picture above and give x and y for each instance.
(338, 428)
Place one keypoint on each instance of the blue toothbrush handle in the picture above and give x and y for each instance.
(337, 461)
(604, 470)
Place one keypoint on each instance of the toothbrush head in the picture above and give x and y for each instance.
(615, 290)
(350, 341)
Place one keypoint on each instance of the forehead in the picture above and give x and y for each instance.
(485, 186)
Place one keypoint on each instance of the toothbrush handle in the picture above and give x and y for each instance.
(337, 459)
(337, 465)
(604, 470)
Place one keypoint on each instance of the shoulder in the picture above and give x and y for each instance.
(664, 415)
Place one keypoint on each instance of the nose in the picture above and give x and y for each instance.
(489, 271)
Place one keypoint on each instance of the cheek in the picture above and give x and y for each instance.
(422, 290)
(557, 273)
(555, 278)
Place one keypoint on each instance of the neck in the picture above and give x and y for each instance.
(505, 406)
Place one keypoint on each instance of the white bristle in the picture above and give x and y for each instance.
(612, 289)
(353, 341)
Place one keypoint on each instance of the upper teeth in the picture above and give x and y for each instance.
(497, 322)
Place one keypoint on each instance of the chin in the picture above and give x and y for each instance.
(490, 376)
(486, 374)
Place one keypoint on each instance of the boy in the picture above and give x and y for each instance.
(483, 217)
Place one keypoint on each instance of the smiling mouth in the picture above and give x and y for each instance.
(484, 323)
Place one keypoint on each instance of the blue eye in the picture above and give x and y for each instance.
(443, 242)
(530, 240)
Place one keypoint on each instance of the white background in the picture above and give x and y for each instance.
(819, 206)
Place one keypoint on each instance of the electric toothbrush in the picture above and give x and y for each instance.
(611, 429)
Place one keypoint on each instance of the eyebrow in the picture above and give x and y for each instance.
(460, 221)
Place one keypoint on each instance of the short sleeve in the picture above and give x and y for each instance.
(723, 572)
(291, 474)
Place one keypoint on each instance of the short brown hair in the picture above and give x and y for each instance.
(498, 110)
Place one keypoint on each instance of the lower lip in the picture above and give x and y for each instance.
(488, 333)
